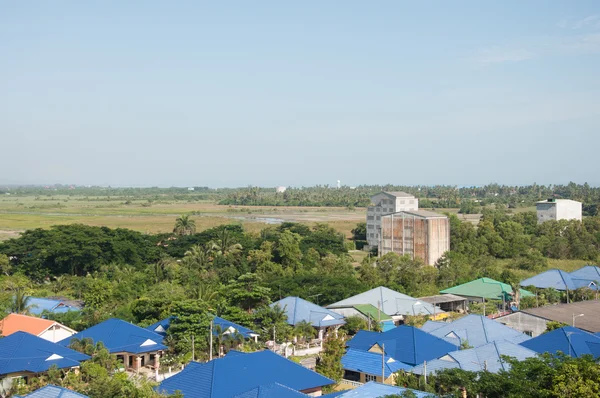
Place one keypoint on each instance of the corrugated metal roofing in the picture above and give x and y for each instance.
(485, 287)
(370, 363)
(372, 312)
(399, 194)
(419, 213)
(378, 390)
(51, 391)
(442, 298)
(405, 344)
(485, 357)
(589, 272)
(476, 330)
(238, 373)
(298, 310)
(274, 390)
(394, 303)
(554, 278)
(120, 336)
(24, 352)
(161, 326)
(23, 323)
(569, 340)
(39, 305)
(564, 313)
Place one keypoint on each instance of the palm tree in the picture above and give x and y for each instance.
(21, 302)
(304, 330)
(184, 225)
(225, 244)
(198, 257)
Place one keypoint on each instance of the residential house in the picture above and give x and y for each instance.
(364, 366)
(585, 314)
(51, 391)
(568, 340)
(238, 372)
(564, 281)
(473, 331)
(299, 310)
(487, 357)
(38, 305)
(136, 347)
(405, 344)
(47, 330)
(394, 304)
(485, 288)
(24, 355)
(220, 325)
(378, 390)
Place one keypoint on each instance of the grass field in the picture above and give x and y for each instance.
(26, 212)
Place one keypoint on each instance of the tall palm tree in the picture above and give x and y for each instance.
(184, 225)
(225, 244)
(21, 302)
(198, 257)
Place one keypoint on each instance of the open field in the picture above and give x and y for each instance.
(26, 212)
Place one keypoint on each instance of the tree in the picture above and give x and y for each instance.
(191, 319)
(21, 302)
(247, 292)
(329, 363)
(5, 266)
(304, 330)
(184, 225)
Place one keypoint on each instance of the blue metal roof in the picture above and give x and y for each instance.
(273, 390)
(406, 344)
(476, 330)
(378, 390)
(589, 272)
(298, 310)
(485, 357)
(162, 326)
(24, 352)
(569, 340)
(554, 278)
(370, 363)
(390, 301)
(120, 336)
(239, 373)
(51, 391)
(39, 305)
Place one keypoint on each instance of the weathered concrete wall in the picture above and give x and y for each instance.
(528, 324)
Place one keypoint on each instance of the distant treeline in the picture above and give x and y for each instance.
(439, 196)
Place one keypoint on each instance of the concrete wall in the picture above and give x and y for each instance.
(561, 209)
(418, 237)
(525, 323)
(385, 204)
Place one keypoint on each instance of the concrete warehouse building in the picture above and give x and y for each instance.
(558, 209)
(418, 233)
(386, 203)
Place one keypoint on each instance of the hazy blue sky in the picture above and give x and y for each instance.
(299, 93)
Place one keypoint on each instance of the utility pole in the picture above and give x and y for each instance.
(425, 373)
(210, 348)
(193, 352)
(274, 341)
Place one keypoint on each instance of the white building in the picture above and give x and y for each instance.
(558, 209)
(386, 203)
(280, 189)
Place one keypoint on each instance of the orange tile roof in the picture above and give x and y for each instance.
(17, 322)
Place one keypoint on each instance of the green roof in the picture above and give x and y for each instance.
(370, 311)
(486, 288)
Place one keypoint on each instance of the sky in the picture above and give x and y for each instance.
(270, 93)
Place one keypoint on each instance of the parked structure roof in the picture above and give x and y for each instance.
(485, 287)
(39, 305)
(590, 320)
(273, 390)
(371, 363)
(485, 357)
(248, 371)
(378, 390)
(405, 344)
(17, 322)
(51, 391)
(298, 310)
(394, 303)
(569, 340)
(120, 336)
(476, 330)
(24, 352)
